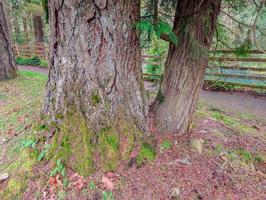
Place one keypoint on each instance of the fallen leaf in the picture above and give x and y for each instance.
(4, 176)
(107, 183)
(21, 119)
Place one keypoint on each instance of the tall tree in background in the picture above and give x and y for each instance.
(27, 21)
(38, 28)
(8, 67)
(194, 26)
(95, 85)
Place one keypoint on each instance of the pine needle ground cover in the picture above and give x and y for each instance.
(231, 164)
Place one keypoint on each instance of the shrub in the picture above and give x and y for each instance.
(218, 86)
(33, 61)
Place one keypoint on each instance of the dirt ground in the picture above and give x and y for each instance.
(228, 162)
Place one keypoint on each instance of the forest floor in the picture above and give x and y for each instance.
(230, 163)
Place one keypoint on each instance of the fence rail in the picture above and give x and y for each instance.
(39, 50)
(239, 71)
(227, 69)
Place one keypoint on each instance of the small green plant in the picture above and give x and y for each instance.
(250, 157)
(218, 86)
(258, 158)
(29, 143)
(224, 118)
(246, 155)
(60, 168)
(218, 148)
(107, 196)
(92, 185)
(96, 99)
(231, 155)
(147, 153)
(41, 127)
(167, 144)
(43, 153)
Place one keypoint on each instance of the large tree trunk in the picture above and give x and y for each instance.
(186, 63)
(38, 28)
(8, 67)
(95, 81)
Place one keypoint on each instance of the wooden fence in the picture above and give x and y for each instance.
(227, 68)
(241, 71)
(39, 50)
(223, 66)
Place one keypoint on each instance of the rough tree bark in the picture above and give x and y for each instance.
(38, 28)
(186, 63)
(95, 83)
(8, 67)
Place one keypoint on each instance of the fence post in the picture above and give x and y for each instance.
(16, 47)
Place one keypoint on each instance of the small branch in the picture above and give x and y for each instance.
(241, 23)
(228, 29)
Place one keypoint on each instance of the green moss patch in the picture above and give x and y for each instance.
(146, 154)
(72, 144)
(95, 99)
(20, 171)
(108, 148)
(80, 147)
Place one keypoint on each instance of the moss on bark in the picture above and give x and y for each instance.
(85, 150)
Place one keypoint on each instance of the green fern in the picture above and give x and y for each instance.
(158, 29)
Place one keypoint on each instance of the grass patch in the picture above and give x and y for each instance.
(146, 154)
(166, 144)
(227, 120)
(19, 113)
(234, 121)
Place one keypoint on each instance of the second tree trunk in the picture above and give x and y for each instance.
(186, 63)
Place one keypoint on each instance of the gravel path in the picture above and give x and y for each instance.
(236, 102)
(34, 69)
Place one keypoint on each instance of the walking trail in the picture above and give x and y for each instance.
(236, 102)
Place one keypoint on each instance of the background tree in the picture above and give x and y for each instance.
(27, 21)
(95, 86)
(38, 28)
(8, 67)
